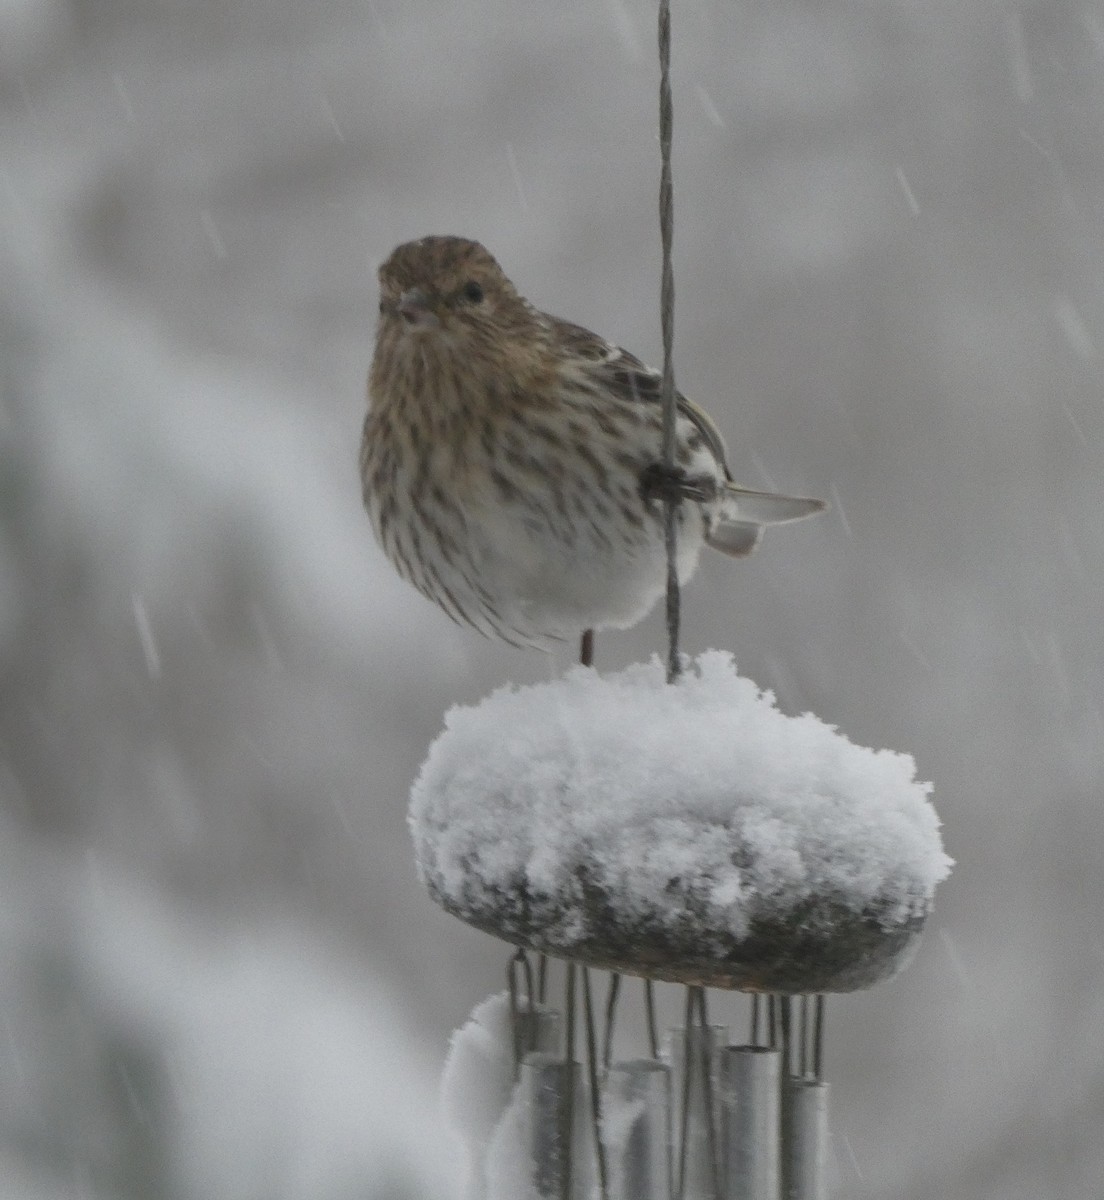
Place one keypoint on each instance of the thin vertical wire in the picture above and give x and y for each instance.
(650, 1017)
(612, 996)
(803, 1038)
(687, 1083)
(697, 1071)
(592, 1080)
(667, 313)
(818, 1037)
(707, 1094)
(520, 962)
(567, 1109)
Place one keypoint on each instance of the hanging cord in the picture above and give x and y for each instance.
(705, 1068)
(785, 1012)
(818, 1038)
(650, 1018)
(567, 1109)
(613, 993)
(594, 1083)
(695, 996)
(667, 312)
(687, 1083)
(523, 1014)
(697, 1069)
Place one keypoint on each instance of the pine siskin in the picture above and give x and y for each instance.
(510, 460)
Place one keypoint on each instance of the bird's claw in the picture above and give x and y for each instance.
(672, 484)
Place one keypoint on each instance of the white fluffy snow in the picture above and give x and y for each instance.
(494, 1118)
(702, 790)
(477, 1084)
(492, 1115)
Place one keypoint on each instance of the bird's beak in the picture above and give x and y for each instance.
(415, 310)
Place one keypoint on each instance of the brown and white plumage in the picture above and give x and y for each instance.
(505, 455)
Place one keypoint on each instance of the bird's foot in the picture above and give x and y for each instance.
(672, 484)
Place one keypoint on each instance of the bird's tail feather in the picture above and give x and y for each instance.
(745, 512)
(766, 508)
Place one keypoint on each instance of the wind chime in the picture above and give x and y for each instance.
(670, 825)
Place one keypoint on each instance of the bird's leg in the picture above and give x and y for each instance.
(660, 482)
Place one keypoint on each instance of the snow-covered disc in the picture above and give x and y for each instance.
(690, 832)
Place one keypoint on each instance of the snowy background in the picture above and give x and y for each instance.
(220, 976)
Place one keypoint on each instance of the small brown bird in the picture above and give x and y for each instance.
(511, 461)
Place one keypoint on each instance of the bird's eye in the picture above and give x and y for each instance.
(473, 293)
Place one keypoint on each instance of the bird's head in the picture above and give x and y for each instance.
(448, 294)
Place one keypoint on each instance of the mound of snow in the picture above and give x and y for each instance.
(691, 810)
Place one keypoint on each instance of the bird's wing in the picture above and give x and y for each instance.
(624, 375)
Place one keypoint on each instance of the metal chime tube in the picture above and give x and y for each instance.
(548, 1085)
(696, 1163)
(751, 1099)
(636, 1129)
(804, 1139)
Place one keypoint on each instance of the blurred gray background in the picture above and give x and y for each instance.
(220, 976)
